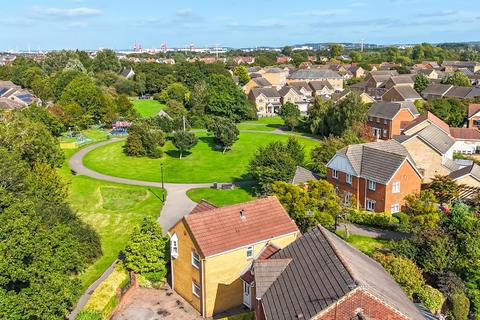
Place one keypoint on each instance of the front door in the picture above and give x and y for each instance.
(246, 295)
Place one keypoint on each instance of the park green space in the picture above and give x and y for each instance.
(365, 244)
(261, 124)
(203, 164)
(147, 108)
(92, 134)
(221, 198)
(113, 210)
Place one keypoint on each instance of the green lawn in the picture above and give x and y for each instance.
(365, 244)
(204, 164)
(221, 198)
(112, 210)
(241, 316)
(262, 124)
(267, 120)
(147, 108)
(92, 134)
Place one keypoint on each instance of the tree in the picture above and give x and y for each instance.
(310, 205)
(287, 51)
(421, 83)
(356, 56)
(444, 188)
(346, 114)
(274, 162)
(175, 109)
(457, 79)
(226, 99)
(143, 140)
(451, 110)
(317, 116)
(335, 50)
(242, 73)
(124, 107)
(225, 132)
(147, 249)
(175, 91)
(184, 141)
(76, 65)
(40, 114)
(290, 113)
(106, 60)
(421, 207)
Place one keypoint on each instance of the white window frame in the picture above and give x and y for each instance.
(371, 205)
(195, 260)
(347, 198)
(174, 246)
(249, 252)
(195, 288)
(335, 174)
(385, 133)
(396, 187)
(348, 178)
(395, 208)
(372, 185)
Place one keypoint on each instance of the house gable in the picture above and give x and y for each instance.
(340, 163)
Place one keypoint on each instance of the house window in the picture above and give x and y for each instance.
(174, 246)
(195, 260)
(196, 289)
(385, 133)
(396, 187)
(348, 178)
(395, 208)
(348, 198)
(377, 132)
(372, 185)
(371, 205)
(335, 174)
(384, 121)
(249, 252)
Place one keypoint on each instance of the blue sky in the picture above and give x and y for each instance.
(71, 24)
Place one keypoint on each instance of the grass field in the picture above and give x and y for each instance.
(365, 244)
(113, 210)
(147, 108)
(93, 134)
(204, 164)
(221, 198)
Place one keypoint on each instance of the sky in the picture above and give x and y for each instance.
(118, 24)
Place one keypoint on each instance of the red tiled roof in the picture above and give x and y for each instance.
(465, 133)
(473, 109)
(203, 206)
(268, 251)
(223, 229)
(433, 118)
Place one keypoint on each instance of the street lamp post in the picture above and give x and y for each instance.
(163, 186)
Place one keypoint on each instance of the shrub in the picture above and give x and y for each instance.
(405, 248)
(404, 271)
(403, 221)
(89, 315)
(431, 298)
(326, 219)
(382, 220)
(459, 306)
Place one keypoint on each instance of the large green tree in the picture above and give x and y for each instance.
(184, 141)
(106, 60)
(290, 114)
(457, 79)
(225, 132)
(421, 83)
(242, 73)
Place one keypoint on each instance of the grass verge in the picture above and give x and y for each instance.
(221, 198)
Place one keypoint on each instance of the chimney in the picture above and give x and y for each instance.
(243, 215)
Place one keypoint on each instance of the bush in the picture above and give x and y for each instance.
(403, 221)
(431, 298)
(459, 306)
(151, 280)
(405, 248)
(326, 219)
(404, 271)
(381, 220)
(89, 315)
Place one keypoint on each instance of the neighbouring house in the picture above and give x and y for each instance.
(374, 176)
(276, 76)
(469, 176)
(258, 82)
(364, 97)
(401, 80)
(321, 277)
(303, 175)
(473, 117)
(244, 60)
(458, 92)
(295, 96)
(303, 87)
(401, 93)
(453, 66)
(212, 247)
(436, 90)
(431, 74)
(321, 88)
(309, 75)
(267, 100)
(385, 118)
(283, 59)
(432, 64)
(377, 79)
(467, 140)
(17, 96)
(128, 73)
(357, 71)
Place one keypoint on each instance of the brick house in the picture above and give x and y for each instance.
(374, 176)
(385, 118)
(401, 93)
(474, 116)
(267, 100)
(401, 80)
(211, 247)
(321, 277)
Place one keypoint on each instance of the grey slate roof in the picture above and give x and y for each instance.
(268, 92)
(275, 70)
(266, 272)
(286, 89)
(319, 85)
(303, 175)
(262, 82)
(436, 89)
(475, 92)
(314, 74)
(472, 170)
(406, 92)
(388, 110)
(376, 161)
(436, 138)
(323, 270)
(458, 92)
(301, 85)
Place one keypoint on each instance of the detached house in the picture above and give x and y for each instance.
(474, 116)
(322, 88)
(385, 119)
(434, 91)
(374, 176)
(321, 277)
(401, 93)
(402, 80)
(276, 76)
(258, 82)
(309, 75)
(212, 247)
(295, 96)
(267, 100)
(128, 73)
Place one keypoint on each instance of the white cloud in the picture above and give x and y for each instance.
(67, 12)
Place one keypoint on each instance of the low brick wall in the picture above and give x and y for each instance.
(123, 297)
